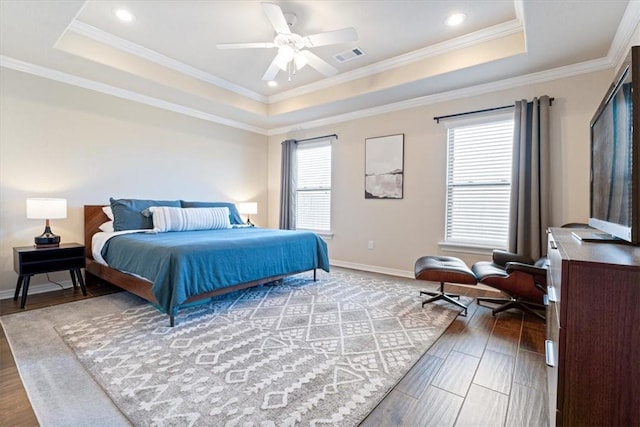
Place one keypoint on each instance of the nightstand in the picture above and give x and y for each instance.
(29, 260)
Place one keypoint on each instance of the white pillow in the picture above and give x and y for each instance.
(187, 219)
(108, 212)
(107, 227)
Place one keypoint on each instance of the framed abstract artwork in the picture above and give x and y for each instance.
(384, 167)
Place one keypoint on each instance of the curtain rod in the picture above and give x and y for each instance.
(317, 137)
(504, 107)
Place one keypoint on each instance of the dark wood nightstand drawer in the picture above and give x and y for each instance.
(30, 260)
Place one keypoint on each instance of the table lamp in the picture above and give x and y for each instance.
(39, 208)
(248, 208)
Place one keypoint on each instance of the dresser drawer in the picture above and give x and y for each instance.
(554, 263)
(553, 350)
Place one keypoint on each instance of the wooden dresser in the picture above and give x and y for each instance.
(593, 332)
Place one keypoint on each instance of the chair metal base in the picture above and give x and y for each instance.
(442, 295)
(509, 303)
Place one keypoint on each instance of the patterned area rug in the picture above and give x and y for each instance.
(297, 353)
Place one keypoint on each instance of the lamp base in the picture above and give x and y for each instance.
(47, 239)
(52, 245)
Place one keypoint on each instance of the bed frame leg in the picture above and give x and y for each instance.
(172, 320)
(314, 274)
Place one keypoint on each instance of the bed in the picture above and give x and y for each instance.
(174, 269)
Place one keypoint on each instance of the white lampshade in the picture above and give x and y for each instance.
(248, 208)
(40, 208)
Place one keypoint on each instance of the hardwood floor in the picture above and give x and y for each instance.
(15, 408)
(483, 371)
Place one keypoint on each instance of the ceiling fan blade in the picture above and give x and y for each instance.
(245, 45)
(333, 37)
(319, 64)
(272, 71)
(276, 17)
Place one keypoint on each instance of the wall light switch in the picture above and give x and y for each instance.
(370, 246)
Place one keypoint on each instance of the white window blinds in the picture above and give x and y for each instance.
(479, 183)
(313, 204)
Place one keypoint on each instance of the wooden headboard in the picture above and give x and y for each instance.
(93, 218)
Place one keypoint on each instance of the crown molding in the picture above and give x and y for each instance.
(518, 6)
(116, 42)
(529, 79)
(471, 39)
(467, 40)
(554, 74)
(74, 80)
(615, 56)
(622, 39)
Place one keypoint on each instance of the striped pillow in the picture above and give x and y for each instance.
(188, 219)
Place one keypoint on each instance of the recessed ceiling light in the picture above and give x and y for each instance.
(272, 83)
(455, 19)
(124, 15)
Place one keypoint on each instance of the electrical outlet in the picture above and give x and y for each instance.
(370, 246)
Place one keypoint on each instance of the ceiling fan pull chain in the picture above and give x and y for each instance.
(291, 69)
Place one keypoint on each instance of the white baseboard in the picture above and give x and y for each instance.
(372, 268)
(38, 289)
(396, 272)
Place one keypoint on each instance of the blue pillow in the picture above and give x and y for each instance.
(234, 216)
(127, 213)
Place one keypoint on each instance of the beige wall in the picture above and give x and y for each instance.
(403, 230)
(58, 140)
(61, 141)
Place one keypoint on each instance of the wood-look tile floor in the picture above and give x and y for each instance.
(15, 408)
(483, 371)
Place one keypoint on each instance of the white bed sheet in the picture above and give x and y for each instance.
(100, 239)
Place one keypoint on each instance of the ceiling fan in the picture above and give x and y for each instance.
(292, 48)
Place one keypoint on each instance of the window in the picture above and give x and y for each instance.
(479, 182)
(313, 191)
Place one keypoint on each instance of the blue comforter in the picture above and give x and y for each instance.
(184, 264)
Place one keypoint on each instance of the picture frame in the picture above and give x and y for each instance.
(384, 167)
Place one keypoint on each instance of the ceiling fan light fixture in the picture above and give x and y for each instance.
(282, 61)
(286, 52)
(300, 60)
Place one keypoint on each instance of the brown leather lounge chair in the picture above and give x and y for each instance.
(522, 279)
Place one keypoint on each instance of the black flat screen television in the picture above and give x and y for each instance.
(615, 156)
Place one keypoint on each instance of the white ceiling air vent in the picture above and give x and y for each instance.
(348, 55)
